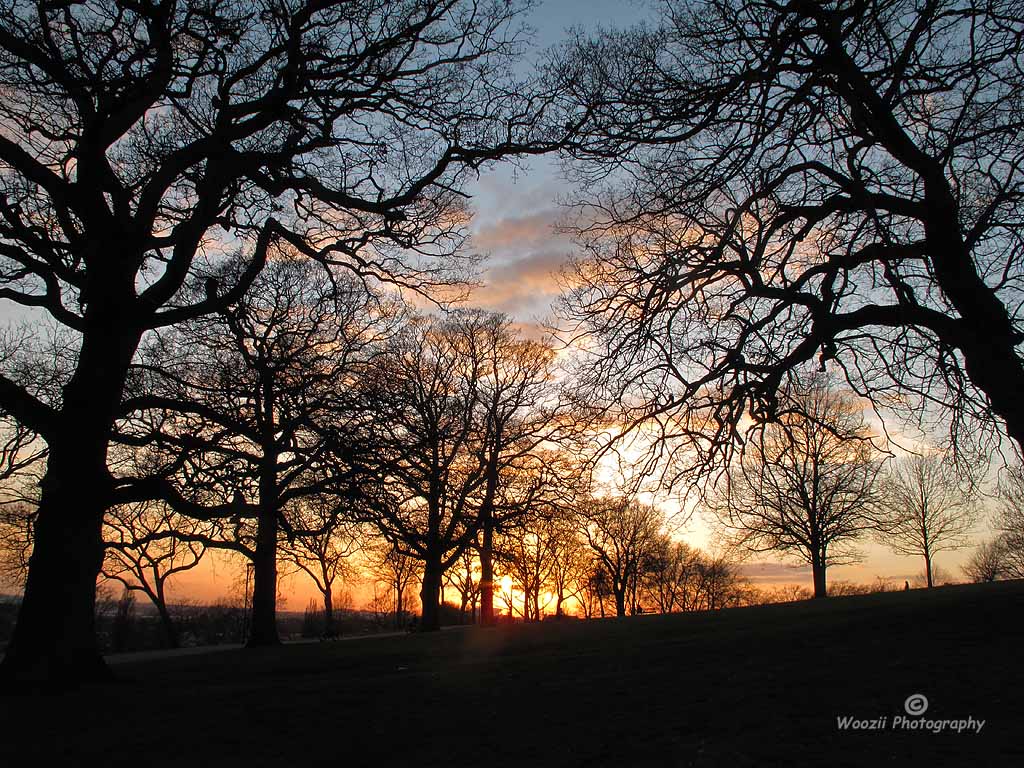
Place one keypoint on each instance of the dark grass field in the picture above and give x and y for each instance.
(744, 687)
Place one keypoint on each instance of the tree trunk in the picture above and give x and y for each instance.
(818, 574)
(170, 630)
(487, 573)
(928, 568)
(399, 608)
(330, 628)
(988, 339)
(264, 583)
(430, 593)
(54, 639)
(158, 597)
(620, 600)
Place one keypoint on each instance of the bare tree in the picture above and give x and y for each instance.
(457, 444)
(323, 549)
(146, 546)
(927, 509)
(528, 552)
(804, 485)
(673, 576)
(720, 585)
(21, 456)
(595, 590)
(987, 563)
(571, 561)
(1009, 522)
(16, 535)
(141, 140)
(678, 577)
(786, 593)
(398, 572)
(20, 450)
(464, 578)
(771, 186)
(256, 413)
(517, 418)
(426, 434)
(622, 534)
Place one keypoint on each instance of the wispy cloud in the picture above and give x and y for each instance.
(525, 254)
(775, 573)
(522, 287)
(523, 233)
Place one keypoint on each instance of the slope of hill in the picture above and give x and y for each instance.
(744, 687)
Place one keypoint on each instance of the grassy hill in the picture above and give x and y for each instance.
(744, 687)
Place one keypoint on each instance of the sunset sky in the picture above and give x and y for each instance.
(515, 212)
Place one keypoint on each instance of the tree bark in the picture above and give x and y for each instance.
(620, 600)
(399, 607)
(818, 574)
(54, 639)
(487, 572)
(430, 592)
(170, 630)
(264, 582)
(928, 568)
(330, 627)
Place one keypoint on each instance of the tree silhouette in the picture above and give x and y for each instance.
(146, 545)
(142, 140)
(451, 447)
(768, 187)
(322, 550)
(570, 558)
(1009, 521)
(528, 551)
(518, 418)
(672, 577)
(988, 563)
(17, 520)
(720, 584)
(464, 578)
(387, 564)
(258, 414)
(621, 534)
(927, 510)
(806, 484)
(20, 449)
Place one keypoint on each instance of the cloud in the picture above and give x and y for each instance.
(522, 286)
(775, 573)
(529, 232)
